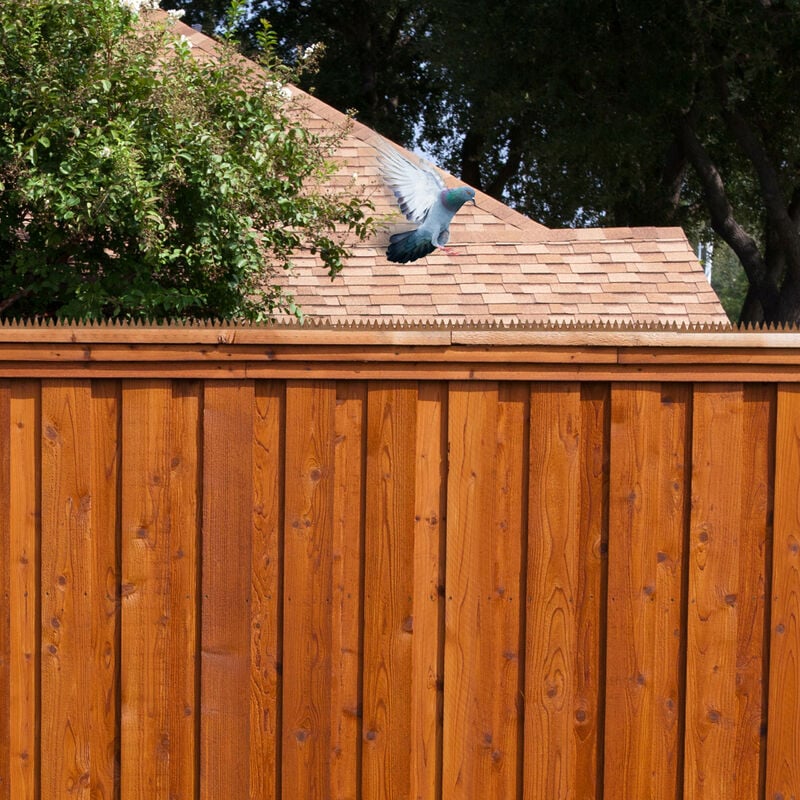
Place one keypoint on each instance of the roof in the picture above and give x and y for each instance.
(509, 268)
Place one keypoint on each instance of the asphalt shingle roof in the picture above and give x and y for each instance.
(509, 268)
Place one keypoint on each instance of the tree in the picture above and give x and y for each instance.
(373, 55)
(140, 182)
(621, 112)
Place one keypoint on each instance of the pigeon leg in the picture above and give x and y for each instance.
(449, 251)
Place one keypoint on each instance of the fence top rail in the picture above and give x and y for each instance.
(626, 334)
(407, 351)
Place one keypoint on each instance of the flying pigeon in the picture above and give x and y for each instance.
(425, 200)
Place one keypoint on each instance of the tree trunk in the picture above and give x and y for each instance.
(764, 296)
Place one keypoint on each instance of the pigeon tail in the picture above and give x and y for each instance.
(408, 246)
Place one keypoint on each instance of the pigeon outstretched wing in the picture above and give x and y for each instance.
(415, 186)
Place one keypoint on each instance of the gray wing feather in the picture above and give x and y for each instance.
(415, 185)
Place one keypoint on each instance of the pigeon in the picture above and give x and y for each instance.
(425, 200)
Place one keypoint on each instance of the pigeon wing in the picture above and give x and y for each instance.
(415, 185)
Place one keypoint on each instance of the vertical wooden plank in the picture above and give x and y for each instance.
(159, 532)
(5, 592)
(752, 635)
(783, 738)
(487, 435)
(472, 420)
(323, 589)
(104, 702)
(389, 590)
(105, 652)
(65, 576)
(591, 606)
(429, 564)
(265, 655)
(717, 458)
(347, 591)
(79, 580)
(731, 453)
(308, 545)
(21, 431)
(647, 513)
(553, 552)
(566, 540)
(228, 414)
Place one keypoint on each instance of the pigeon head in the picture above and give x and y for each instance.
(453, 199)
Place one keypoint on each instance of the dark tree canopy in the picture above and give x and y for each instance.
(373, 57)
(633, 112)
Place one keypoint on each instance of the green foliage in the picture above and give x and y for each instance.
(140, 182)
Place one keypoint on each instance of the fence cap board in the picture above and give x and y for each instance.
(407, 351)
(407, 332)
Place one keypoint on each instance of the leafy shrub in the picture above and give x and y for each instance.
(137, 181)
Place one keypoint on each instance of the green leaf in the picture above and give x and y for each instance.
(162, 198)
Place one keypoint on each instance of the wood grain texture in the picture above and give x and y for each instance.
(389, 591)
(752, 603)
(267, 584)
(79, 680)
(427, 697)
(227, 550)
(647, 513)
(5, 592)
(347, 550)
(247, 589)
(23, 437)
(565, 588)
(592, 589)
(717, 466)
(160, 552)
(486, 527)
(783, 733)
(731, 451)
(105, 651)
(308, 589)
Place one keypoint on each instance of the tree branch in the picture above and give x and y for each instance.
(471, 149)
(510, 166)
(672, 175)
(774, 201)
(12, 298)
(724, 222)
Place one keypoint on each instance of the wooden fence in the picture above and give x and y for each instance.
(440, 564)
